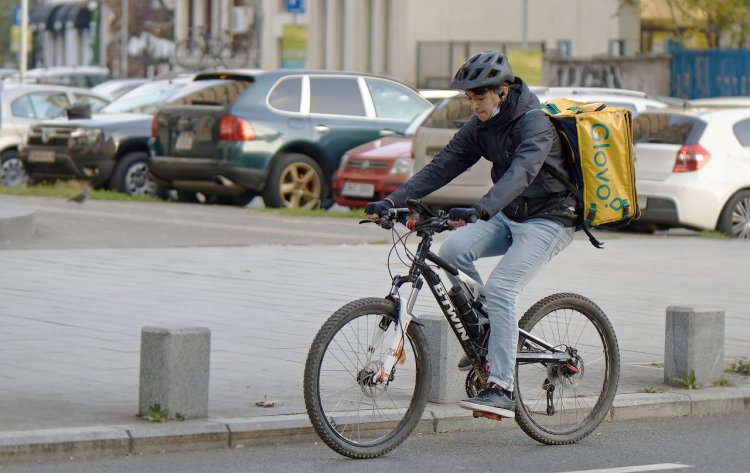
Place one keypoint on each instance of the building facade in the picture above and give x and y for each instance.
(420, 42)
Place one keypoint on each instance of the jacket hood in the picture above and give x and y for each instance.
(520, 101)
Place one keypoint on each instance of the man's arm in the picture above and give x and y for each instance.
(459, 154)
(536, 133)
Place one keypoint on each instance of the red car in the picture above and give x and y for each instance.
(373, 170)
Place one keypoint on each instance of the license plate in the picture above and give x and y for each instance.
(642, 201)
(358, 189)
(184, 141)
(41, 156)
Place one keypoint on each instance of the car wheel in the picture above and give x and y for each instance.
(131, 176)
(295, 181)
(735, 218)
(13, 173)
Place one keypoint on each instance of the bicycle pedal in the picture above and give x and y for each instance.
(487, 415)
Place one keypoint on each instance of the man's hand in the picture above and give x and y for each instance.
(458, 217)
(374, 210)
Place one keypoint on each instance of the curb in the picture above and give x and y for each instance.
(191, 435)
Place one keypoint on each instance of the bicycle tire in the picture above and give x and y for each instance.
(582, 399)
(345, 412)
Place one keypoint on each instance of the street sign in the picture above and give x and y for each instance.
(295, 6)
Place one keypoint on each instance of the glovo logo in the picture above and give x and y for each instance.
(599, 133)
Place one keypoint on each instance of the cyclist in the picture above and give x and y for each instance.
(527, 216)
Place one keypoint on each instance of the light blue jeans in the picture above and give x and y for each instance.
(526, 247)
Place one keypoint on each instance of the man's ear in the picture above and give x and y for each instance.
(503, 92)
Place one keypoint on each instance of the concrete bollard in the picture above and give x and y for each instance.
(174, 370)
(694, 341)
(447, 384)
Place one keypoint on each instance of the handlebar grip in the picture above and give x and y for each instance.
(472, 219)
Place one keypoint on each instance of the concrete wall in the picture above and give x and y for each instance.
(648, 74)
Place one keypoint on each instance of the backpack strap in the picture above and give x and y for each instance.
(585, 222)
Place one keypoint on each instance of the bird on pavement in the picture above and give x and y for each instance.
(80, 198)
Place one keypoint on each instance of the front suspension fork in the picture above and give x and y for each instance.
(396, 349)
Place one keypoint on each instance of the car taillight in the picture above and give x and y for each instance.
(155, 126)
(691, 158)
(235, 129)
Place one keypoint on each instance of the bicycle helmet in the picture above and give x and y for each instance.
(486, 69)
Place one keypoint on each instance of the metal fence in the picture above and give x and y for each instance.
(710, 73)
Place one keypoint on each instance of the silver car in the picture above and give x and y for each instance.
(23, 105)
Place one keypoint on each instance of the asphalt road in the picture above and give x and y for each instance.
(714, 444)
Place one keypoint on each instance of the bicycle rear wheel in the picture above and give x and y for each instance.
(352, 415)
(559, 403)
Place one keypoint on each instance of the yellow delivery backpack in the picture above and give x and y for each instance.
(599, 143)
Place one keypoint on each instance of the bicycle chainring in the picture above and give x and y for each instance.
(473, 384)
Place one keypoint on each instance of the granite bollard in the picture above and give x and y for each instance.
(694, 342)
(174, 370)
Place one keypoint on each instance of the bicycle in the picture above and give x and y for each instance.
(204, 50)
(367, 374)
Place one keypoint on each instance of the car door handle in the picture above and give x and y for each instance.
(387, 132)
(322, 129)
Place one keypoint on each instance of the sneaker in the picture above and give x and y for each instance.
(464, 364)
(493, 399)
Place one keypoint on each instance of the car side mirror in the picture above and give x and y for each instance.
(78, 110)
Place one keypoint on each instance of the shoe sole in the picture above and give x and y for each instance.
(482, 408)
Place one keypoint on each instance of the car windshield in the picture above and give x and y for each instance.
(675, 129)
(144, 99)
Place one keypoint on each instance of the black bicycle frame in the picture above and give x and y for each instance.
(473, 347)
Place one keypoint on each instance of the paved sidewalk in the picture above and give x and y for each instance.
(71, 318)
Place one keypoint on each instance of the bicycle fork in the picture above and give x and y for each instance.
(396, 350)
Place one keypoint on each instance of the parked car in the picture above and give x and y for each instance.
(719, 102)
(109, 149)
(451, 113)
(114, 88)
(74, 76)
(693, 169)
(23, 105)
(373, 170)
(278, 133)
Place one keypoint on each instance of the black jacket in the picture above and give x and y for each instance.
(518, 140)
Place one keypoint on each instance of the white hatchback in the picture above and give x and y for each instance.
(693, 169)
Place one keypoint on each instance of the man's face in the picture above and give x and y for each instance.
(482, 104)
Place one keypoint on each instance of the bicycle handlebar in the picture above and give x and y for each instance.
(426, 218)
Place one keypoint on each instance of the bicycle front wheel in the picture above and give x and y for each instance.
(561, 403)
(353, 415)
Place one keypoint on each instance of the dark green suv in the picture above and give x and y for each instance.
(280, 134)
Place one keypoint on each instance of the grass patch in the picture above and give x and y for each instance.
(657, 365)
(653, 389)
(156, 414)
(67, 189)
(740, 367)
(351, 213)
(713, 234)
(724, 382)
(688, 381)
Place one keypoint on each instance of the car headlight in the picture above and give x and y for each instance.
(85, 137)
(402, 166)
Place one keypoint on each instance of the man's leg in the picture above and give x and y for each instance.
(534, 243)
(476, 240)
